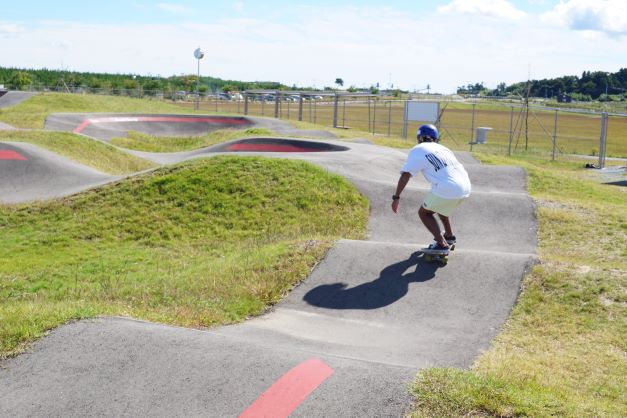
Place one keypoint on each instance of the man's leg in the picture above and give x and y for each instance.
(427, 218)
(448, 231)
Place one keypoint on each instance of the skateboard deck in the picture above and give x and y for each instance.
(437, 256)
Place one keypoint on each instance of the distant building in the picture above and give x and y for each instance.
(564, 98)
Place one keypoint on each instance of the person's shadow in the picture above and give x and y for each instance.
(391, 285)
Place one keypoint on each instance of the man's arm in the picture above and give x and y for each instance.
(402, 182)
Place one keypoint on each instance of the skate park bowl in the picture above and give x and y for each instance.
(276, 145)
(107, 126)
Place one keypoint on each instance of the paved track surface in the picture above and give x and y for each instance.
(31, 173)
(105, 126)
(11, 98)
(344, 343)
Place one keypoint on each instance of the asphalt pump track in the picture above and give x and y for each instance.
(346, 342)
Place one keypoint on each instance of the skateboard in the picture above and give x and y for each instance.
(437, 256)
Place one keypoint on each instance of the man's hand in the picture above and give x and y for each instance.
(395, 205)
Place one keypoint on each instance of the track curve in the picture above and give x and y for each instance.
(32, 173)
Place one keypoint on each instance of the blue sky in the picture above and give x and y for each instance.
(408, 44)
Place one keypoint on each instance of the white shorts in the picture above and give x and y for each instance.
(440, 205)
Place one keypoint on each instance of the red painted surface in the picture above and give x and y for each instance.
(270, 148)
(284, 396)
(11, 155)
(175, 119)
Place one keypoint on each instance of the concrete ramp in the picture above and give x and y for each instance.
(11, 98)
(105, 126)
(32, 173)
(345, 343)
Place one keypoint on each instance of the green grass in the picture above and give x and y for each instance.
(207, 242)
(32, 113)
(562, 352)
(92, 153)
(144, 142)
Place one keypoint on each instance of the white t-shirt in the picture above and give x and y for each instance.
(448, 178)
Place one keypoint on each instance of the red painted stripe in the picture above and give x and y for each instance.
(82, 126)
(270, 148)
(284, 396)
(176, 119)
(11, 155)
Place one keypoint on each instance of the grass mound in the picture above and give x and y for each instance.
(144, 142)
(32, 113)
(207, 242)
(92, 153)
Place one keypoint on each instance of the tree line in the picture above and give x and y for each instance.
(592, 85)
(38, 79)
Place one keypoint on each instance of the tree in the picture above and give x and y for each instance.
(229, 88)
(339, 82)
(151, 87)
(20, 79)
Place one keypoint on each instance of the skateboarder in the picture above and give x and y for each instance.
(449, 184)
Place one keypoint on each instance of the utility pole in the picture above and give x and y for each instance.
(198, 54)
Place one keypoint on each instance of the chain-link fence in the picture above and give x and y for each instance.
(494, 127)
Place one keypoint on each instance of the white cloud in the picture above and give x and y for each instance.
(500, 9)
(10, 29)
(608, 16)
(173, 8)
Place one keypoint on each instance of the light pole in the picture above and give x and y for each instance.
(198, 54)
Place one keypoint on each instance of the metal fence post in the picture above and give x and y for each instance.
(603, 141)
(511, 132)
(369, 120)
(300, 107)
(344, 114)
(389, 117)
(277, 99)
(554, 136)
(374, 117)
(246, 103)
(405, 120)
(472, 127)
(335, 102)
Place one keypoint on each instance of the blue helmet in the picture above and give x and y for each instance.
(427, 133)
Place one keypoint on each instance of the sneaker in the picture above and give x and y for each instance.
(437, 248)
(450, 240)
